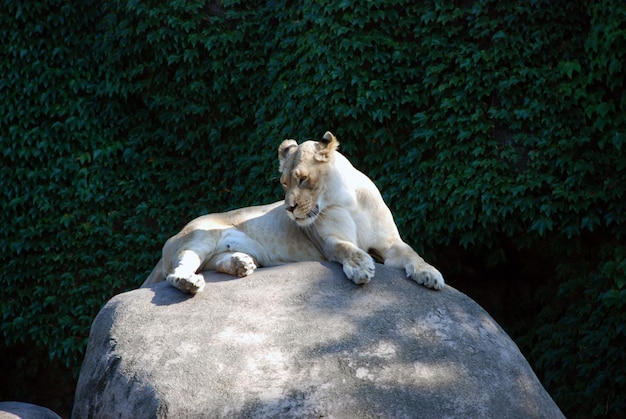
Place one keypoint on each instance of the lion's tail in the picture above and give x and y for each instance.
(157, 275)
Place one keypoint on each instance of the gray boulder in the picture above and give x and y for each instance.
(20, 410)
(301, 340)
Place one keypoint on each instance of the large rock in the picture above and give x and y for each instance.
(301, 340)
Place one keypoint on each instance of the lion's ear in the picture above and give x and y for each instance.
(327, 145)
(285, 149)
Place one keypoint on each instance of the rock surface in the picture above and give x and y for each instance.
(301, 340)
(20, 410)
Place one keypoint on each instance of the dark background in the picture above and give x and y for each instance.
(495, 130)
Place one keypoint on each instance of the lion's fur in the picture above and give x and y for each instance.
(331, 211)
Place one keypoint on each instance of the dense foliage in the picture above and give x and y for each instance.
(496, 130)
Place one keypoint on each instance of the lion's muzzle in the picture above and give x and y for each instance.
(301, 216)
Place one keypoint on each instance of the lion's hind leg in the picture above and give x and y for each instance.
(184, 276)
(236, 263)
(238, 253)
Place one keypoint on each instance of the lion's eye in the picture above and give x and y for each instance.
(302, 180)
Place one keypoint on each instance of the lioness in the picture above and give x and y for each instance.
(331, 211)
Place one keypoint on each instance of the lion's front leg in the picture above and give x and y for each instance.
(357, 264)
(402, 256)
(184, 276)
(425, 274)
(338, 236)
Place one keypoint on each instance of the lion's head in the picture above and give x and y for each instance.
(304, 173)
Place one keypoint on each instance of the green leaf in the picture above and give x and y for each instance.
(569, 67)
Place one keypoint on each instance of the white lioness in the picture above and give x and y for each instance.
(331, 212)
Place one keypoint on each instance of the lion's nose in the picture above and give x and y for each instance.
(292, 208)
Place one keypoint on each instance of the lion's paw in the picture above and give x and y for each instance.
(192, 284)
(426, 275)
(359, 268)
(242, 264)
